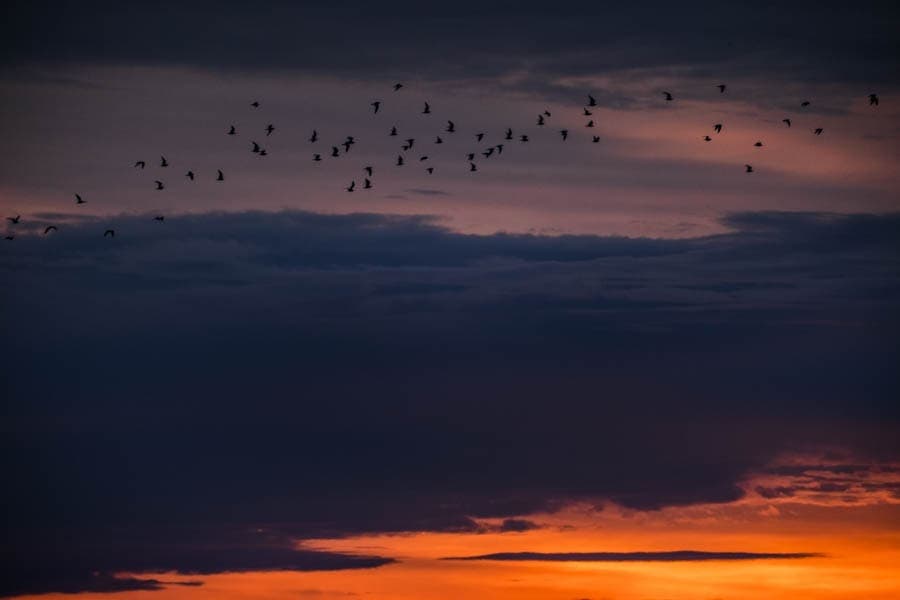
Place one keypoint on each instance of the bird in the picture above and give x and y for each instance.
(595, 139)
(499, 148)
(397, 86)
(375, 106)
(410, 142)
(487, 153)
(10, 237)
(438, 140)
(232, 131)
(805, 103)
(14, 220)
(317, 157)
(450, 127)
(159, 218)
(591, 101)
(254, 104)
(263, 152)
(334, 151)
(368, 171)
(540, 120)
(472, 167)
(220, 176)
(718, 127)
(721, 87)
(564, 133)
(668, 96)
(79, 200)
(352, 186)
(470, 156)
(159, 184)
(256, 147)
(394, 130)
(523, 138)
(269, 129)
(758, 144)
(479, 136)
(749, 168)
(421, 158)
(546, 113)
(509, 134)
(430, 170)
(140, 164)
(346, 145)
(189, 175)
(367, 184)
(109, 233)
(706, 138)
(587, 113)
(818, 131)
(163, 162)
(786, 122)
(50, 228)
(427, 109)
(590, 123)
(399, 160)
(314, 137)
(873, 99)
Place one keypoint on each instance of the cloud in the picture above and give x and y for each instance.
(672, 556)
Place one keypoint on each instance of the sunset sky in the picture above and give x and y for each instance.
(622, 369)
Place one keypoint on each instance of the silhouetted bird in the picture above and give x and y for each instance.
(352, 186)
(721, 87)
(140, 164)
(479, 136)
(394, 130)
(758, 144)
(450, 127)
(590, 123)
(718, 127)
(410, 142)
(499, 148)
(375, 106)
(399, 160)
(487, 153)
(256, 147)
(317, 157)
(564, 133)
(595, 139)
(334, 151)
(540, 120)
(189, 175)
(818, 131)
(438, 140)
(346, 146)
(591, 101)
(587, 113)
(50, 228)
(749, 168)
(367, 184)
(472, 167)
(706, 138)
(470, 156)
(314, 137)
(427, 109)
(14, 220)
(159, 218)
(254, 104)
(873, 99)
(397, 86)
(220, 176)
(159, 184)
(78, 200)
(509, 135)
(232, 131)
(163, 162)
(430, 170)
(368, 171)
(786, 122)
(263, 152)
(269, 129)
(546, 113)
(523, 138)
(421, 158)
(668, 96)
(109, 233)
(805, 103)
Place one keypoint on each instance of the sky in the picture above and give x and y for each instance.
(617, 370)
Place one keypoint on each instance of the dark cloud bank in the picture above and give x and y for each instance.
(194, 395)
(674, 556)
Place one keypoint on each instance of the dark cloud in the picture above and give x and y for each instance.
(673, 556)
(299, 375)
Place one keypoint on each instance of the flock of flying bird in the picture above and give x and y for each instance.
(408, 145)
